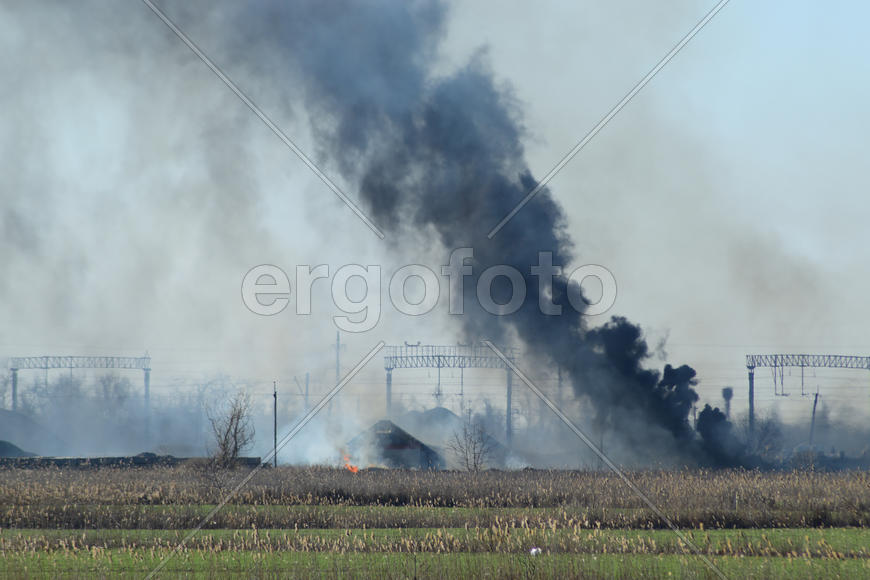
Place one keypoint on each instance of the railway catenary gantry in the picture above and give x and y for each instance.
(778, 362)
(80, 362)
(417, 356)
(45, 363)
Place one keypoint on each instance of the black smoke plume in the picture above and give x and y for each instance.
(441, 157)
(722, 448)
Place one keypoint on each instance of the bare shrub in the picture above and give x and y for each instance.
(472, 446)
(766, 441)
(232, 429)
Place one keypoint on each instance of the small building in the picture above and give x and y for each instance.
(388, 445)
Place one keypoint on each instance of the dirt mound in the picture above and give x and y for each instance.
(8, 449)
(24, 430)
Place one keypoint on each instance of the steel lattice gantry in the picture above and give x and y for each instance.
(778, 362)
(435, 356)
(417, 356)
(835, 361)
(81, 362)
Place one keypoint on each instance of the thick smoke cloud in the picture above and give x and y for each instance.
(722, 448)
(133, 181)
(441, 159)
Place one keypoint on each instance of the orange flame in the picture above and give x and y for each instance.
(349, 466)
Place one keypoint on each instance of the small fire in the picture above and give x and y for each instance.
(349, 466)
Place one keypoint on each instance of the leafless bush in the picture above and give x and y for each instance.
(472, 446)
(766, 440)
(233, 430)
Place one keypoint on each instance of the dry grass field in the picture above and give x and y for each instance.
(333, 523)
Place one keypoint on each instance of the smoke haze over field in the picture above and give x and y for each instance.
(137, 191)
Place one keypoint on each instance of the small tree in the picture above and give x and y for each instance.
(767, 439)
(471, 445)
(233, 430)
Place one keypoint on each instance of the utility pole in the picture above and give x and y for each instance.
(275, 422)
(337, 366)
(337, 357)
(601, 448)
(509, 410)
(813, 420)
(305, 392)
(147, 372)
(751, 401)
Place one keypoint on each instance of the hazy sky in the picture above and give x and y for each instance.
(727, 198)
